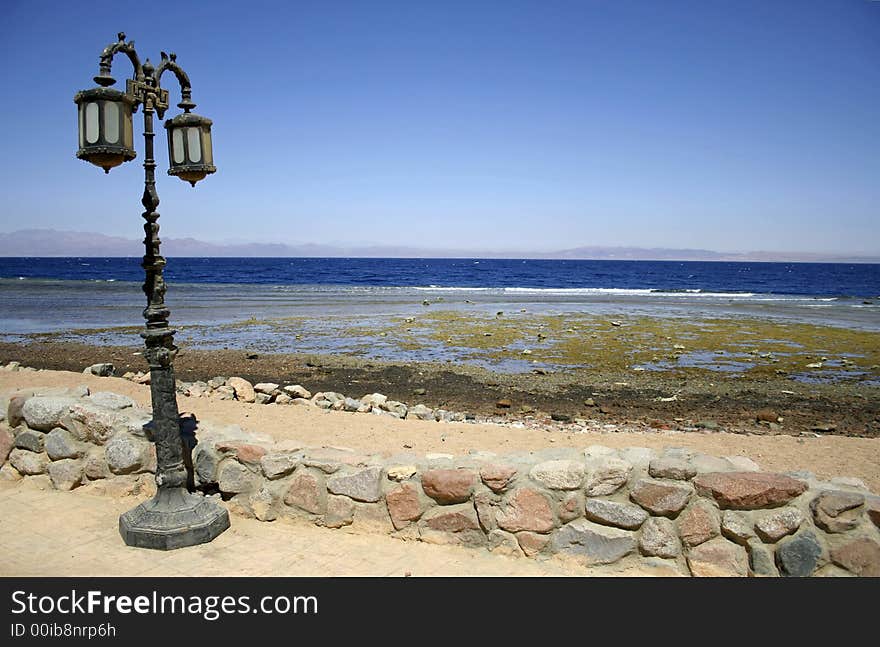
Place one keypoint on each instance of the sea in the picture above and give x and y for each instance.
(82, 295)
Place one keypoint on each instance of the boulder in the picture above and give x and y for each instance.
(31, 440)
(395, 408)
(421, 412)
(28, 463)
(699, 523)
(526, 509)
(705, 464)
(448, 486)
(637, 457)
(761, 560)
(737, 527)
(298, 391)
(278, 464)
(559, 474)
(503, 543)
(486, 503)
(773, 526)
(718, 558)
(206, 461)
(660, 498)
(372, 517)
(246, 453)
(836, 511)
(404, 505)
(307, 491)
(532, 543)
(598, 544)
(268, 388)
(497, 477)
(66, 473)
(217, 382)
(340, 512)
(244, 390)
(798, 556)
(659, 539)
(95, 424)
(669, 467)
(14, 415)
(571, 507)
(110, 400)
(95, 464)
(606, 475)
(234, 478)
(61, 444)
(262, 504)
(453, 518)
(45, 413)
(126, 454)
(620, 515)
(374, 400)
(364, 485)
(749, 490)
(101, 370)
(860, 556)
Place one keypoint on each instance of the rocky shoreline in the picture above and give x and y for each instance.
(766, 404)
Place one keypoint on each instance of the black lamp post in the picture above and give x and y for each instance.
(174, 517)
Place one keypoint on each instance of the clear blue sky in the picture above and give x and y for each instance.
(538, 125)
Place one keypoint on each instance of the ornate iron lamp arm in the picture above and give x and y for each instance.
(169, 62)
(104, 79)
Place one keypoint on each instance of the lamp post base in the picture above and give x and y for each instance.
(174, 518)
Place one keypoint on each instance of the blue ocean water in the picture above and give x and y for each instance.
(63, 294)
(804, 279)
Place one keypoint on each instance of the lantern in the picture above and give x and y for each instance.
(189, 147)
(105, 130)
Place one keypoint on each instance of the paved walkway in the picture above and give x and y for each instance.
(44, 532)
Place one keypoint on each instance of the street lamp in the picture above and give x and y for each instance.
(175, 517)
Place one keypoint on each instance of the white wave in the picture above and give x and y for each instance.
(439, 288)
(594, 291)
(577, 291)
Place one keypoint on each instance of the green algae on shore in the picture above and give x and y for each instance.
(742, 345)
(520, 341)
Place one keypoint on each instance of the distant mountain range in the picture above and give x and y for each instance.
(48, 242)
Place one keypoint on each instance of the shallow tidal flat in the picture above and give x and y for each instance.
(522, 342)
(661, 372)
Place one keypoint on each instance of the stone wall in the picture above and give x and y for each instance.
(679, 510)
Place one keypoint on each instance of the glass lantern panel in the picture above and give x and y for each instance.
(111, 122)
(126, 128)
(207, 146)
(91, 123)
(194, 145)
(177, 145)
(82, 134)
